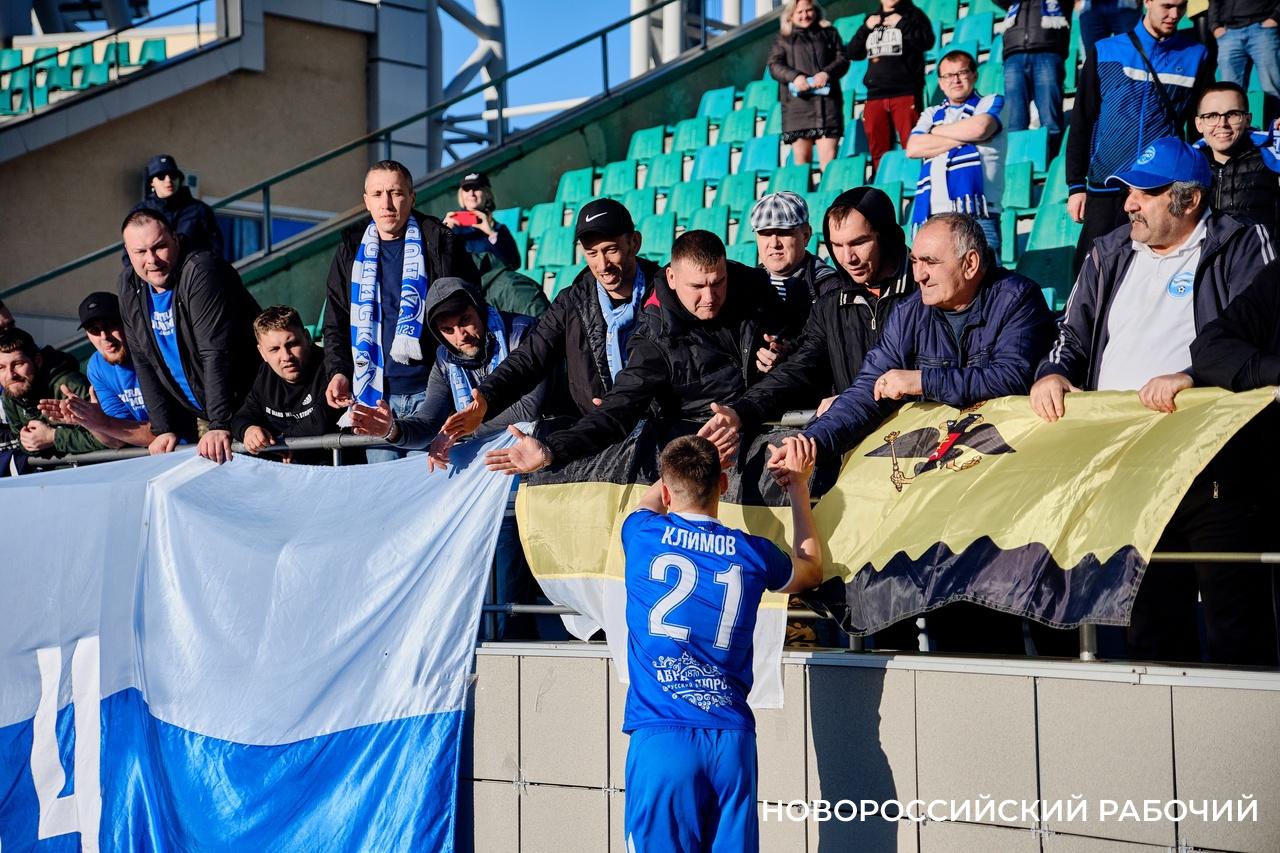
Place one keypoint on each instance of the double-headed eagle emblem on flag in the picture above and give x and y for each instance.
(942, 447)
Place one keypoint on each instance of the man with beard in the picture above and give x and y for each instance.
(29, 375)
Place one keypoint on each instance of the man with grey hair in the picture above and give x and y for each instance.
(1144, 292)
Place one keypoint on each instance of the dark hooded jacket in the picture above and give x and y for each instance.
(191, 219)
(213, 314)
(418, 429)
(570, 333)
(509, 290)
(895, 67)
(680, 365)
(1248, 185)
(843, 325)
(446, 256)
(802, 289)
(807, 51)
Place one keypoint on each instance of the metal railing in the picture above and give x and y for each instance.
(111, 57)
(382, 136)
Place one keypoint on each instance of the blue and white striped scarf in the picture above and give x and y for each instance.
(366, 311)
(618, 322)
(459, 380)
(964, 175)
(1051, 17)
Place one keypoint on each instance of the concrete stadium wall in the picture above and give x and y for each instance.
(546, 771)
(67, 199)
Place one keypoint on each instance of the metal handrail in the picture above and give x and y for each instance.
(382, 134)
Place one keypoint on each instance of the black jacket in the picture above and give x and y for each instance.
(570, 332)
(1241, 13)
(446, 256)
(292, 410)
(1244, 186)
(191, 219)
(1231, 256)
(801, 290)
(1026, 35)
(680, 365)
(213, 314)
(1241, 349)
(808, 51)
(894, 70)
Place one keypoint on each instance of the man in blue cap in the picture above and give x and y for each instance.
(1144, 292)
(191, 219)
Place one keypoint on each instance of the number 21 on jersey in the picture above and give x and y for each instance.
(687, 579)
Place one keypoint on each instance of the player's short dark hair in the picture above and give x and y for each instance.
(142, 215)
(278, 318)
(690, 465)
(18, 340)
(702, 249)
(1223, 86)
(392, 166)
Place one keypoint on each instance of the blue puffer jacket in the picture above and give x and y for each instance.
(1006, 331)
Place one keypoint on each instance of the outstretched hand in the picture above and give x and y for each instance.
(469, 419)
(792, 463)
(724, 430)
(438, 453)
(524, 457)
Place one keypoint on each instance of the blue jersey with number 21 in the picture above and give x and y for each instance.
(693, 587)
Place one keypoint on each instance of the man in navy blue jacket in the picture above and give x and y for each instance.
(973, 331)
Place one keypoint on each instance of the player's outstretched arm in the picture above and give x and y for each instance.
(652, 498)
(792, 469)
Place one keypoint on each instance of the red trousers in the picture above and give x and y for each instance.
(882, 114)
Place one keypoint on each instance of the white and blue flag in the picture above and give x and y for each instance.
(251, 656)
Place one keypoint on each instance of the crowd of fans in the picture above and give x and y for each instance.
(432, 336)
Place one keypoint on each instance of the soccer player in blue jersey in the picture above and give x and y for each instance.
(693, 587)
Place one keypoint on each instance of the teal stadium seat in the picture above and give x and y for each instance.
(932, 54)
(119, 54)
(618, 178)
(658, 232)
(576, 186)
(1050, 249)
(647, 143)
(1055, 179)
(510, 217)
(990, 76)
(738, 192)
(854, 142)
(556, 247)
(893, 189)
(711, 163)
(844, 173)
(690, 135)
(773, 124)
(848, 25)
(717, 103)
(564, 276)
(1028, 146)
(739, 127)
(760, 95)
(1018, 183)
(897, 167)
(10, 58)
(744, 253)
(714, 219)
(543, 217)
(760, 155)
(665, 171)
(945, 12)
(153, 50)
(641, 202)
(685, 198)
(975, 28)
(853, 83)
(794, 178)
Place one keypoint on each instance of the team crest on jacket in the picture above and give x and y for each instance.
(954, 446)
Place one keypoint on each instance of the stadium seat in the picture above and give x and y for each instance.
(1055, 179)
(1072, 63)
(893, 189)
(739, 126)
(690, 135)
(856, 142)
(1018, 179)
(685, 198)
(1009, 238)
(760, 95)
(738, 192)
(979, 7)
(855, 87)
(576, 185)
(848, 25)
(97, 74)
(969, 46)
(640, 202)
(618, 178)
(647, 143)
(714, 219)
(153, 50)
(944, 12)
(844, 173)
(744, 253)
(510, 217)
(819, 201)
(932, 54)
(79, 60)
(716, 103)
(555, 247)
(535, 273)
(543, 217)
(990, 77)
(896, 166)
(975, 28)
(665, 170)
(773, 124)
(522, 245)
(1031, 146)
(658, 232)
(794, 178)
(564, 276)
(119, 54)
(711, 163)
(1050, 248)
(10, 58)
(760, 155)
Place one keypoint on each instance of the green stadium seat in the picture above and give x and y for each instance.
(1072, 63)
(844, 173)
(848, 25)
(760, 155)
(1030, 146)
(773, 124)
(522, 245)
(739, 127)
(978, 7)
(896, 166)
(856, 142)
(119, 54)
(1008, 238)
(932, 54)
(564, 276)
(855, 88)
(1055, 180)
(711, 163)
(556, 247)
(510, 217)
(79, 59)
(738, 192)
(686, 197)
(932, 94)
(10, 58)
(535, 273)
(969, 46)
(640, 202)
(97, 74)
(153, 50)
(714, 219)
(744, 253)
(32, 97)
(893, 189)
(658, 233)
(975, 28)
(990, 76)
(44, 57)
(690, 135)
(945, 12)
(618, 178)
(818, 202)
(543, 217)
(717, 103)
(1018, 180)
(647, 143)
(760, 95)
(1257, 104)
(1050, 248)
(576, 185)
(794, 178)
(665, 171)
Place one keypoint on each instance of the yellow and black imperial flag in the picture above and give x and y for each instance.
(1055, 522)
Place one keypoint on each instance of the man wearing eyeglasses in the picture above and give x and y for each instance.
(1245, 162)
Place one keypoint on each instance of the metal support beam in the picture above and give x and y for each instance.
(488, 60)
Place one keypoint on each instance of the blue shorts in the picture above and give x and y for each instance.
(691, 790)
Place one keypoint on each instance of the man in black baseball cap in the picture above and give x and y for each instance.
(586, 327)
